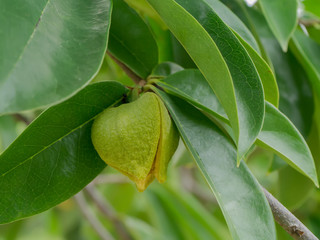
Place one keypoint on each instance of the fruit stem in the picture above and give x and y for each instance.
(134, 94)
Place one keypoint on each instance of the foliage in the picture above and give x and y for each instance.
(242, 87)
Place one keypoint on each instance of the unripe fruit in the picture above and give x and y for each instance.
(137, 138)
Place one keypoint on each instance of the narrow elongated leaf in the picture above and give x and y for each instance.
(281, 136)
(312, 6)
(248, 41)
(54, 158)
(243, 72)
(245, 114)
(282, 17)
(192, 86)
(291, 78)
(131, 40)
(165, 69)
(241, 9)
(238, 193)
(234, 22)
(278, 133)
(269, 82)
(308, 52)
(49, 49)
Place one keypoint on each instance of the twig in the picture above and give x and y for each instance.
(21, 118)
(288, 221)
(94, 222)
(308, 23)
(108, 211)
(127, 70)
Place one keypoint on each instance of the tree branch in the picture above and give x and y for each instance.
(94, 222)
(309, 22)
(108, 211)
(127, 70)
(21, 118)
(288, 221)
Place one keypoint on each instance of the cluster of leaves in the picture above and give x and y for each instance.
(217, 67)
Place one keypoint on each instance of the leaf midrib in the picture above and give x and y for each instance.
(28, 42)
(54, 142)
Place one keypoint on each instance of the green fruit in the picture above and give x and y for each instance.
(137, 138)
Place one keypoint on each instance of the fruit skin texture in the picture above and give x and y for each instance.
(136, 138)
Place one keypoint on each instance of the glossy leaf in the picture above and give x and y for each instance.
(248, 41)
(282, 18)
(54, 158)
(165, 69)
(269, 82)
(281, 136)
(49, 49)
(312, 6)
(291, 78)
(245, 114)
(241, 9)
(234, 22)
(296, 102)
(308, 52)
(193, 87)
(278, 133)
(237, 191)
(131, 40)
(180, 55)
(245, 77)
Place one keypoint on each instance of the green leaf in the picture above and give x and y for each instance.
(165, 69)
(235, 188)
(54, 158)
(241, 9)
(131, 40)
(308, 52)
(277, 163)
(282, 17)
(234, 22)
(269, 82)
(278, 134)
(248, 41)
(231, 87)
(291, 78)
(191, 86)
(49, 49)
(180, 55)
(312, 6)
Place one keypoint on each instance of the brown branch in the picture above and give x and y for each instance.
(288, 221)
(108, 211)
(21, 118)
(94, 222)
(308, 23)
(110, 179)
(127, 70)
